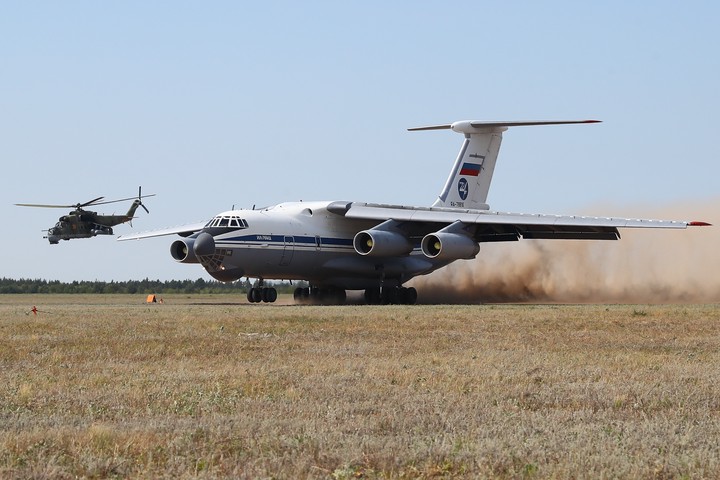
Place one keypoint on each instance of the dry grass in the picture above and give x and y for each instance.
(210, 387)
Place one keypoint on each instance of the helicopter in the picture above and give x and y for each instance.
(81, 223)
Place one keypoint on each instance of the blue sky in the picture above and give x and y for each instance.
(215, 104)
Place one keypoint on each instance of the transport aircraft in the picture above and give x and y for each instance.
(344, 245)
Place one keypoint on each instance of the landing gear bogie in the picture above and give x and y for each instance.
(322, 296)
(391, 296)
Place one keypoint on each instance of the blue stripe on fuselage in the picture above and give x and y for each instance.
(280, 239)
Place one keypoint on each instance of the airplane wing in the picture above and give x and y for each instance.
(490, 226)
(182, 230)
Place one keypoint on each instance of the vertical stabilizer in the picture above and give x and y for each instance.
(468, 184)
(469, 181)
(131, 212)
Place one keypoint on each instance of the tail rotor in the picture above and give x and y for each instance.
(140, 203)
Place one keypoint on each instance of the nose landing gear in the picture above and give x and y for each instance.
(262, 294)
(259, 293)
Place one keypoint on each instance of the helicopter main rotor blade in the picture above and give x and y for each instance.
(77, 205)
(44, 206)
(95, 201)
(91, 202)
(125, 199)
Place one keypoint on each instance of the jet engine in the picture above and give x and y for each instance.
(449, 246)
(187, 250)
(182, 251)
(381, 243)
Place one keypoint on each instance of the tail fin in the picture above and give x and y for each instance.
(138, 203)
(131, 212)
(469, 181)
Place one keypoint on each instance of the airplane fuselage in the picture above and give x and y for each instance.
(296, 241)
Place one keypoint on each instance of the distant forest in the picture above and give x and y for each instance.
(9, 285)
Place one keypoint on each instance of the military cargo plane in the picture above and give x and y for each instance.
(345, 245)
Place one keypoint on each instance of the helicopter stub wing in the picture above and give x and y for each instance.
(182, 230)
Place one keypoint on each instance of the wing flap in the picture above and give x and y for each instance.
(578, 234)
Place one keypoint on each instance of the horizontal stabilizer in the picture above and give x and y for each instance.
(469, 181)
(500, 124)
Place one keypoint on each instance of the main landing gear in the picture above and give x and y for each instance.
(391, 295)
(323, 296)
(373, 296)
(336, 296)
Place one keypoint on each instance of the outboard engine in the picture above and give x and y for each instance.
(188, 249)
(182, 251)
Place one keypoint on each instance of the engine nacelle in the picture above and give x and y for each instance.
(381, 243)
(449, 246)
(204, 244)
(188, 250)
(182, 251)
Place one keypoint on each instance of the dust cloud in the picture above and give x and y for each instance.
(644, 266)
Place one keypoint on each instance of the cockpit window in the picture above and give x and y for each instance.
(230, 222)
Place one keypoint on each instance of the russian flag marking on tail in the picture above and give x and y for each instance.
(470, 169)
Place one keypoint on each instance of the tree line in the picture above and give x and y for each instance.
(146, 286)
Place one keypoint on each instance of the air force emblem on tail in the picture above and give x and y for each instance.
(463, 188)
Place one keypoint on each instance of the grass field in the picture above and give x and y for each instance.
(208, 386)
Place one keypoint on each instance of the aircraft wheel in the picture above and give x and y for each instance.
(407, 296)
(411, 296)
(255, 295)
(390, 295)
(301, 295)
(333, 296)
(269, 295)
(341, 296)
(250, 295)
(372, 296)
